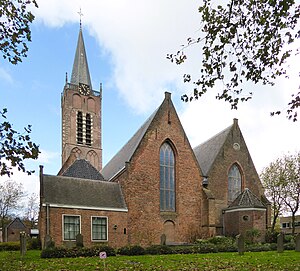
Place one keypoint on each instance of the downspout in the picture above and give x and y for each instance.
(47, 220)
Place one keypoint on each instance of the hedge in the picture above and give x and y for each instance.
(61, 252)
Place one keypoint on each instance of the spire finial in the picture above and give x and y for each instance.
(80, 15)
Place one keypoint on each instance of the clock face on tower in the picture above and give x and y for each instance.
(84, 89)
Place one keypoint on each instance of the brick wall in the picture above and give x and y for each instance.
(218, 175)
(116, 237)
(141, 183)
(241, 222)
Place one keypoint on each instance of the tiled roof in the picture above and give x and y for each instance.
(207, 152)
(76, 192)
(117, 163)
(247, 199)
(80, 72)
(82, 168)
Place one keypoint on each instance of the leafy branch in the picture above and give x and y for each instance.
(243, 41)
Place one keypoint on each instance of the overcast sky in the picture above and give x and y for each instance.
(127, 43)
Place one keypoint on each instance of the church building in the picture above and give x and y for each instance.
(156, 187)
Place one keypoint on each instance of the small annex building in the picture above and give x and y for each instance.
(13, 229)
(156, 185)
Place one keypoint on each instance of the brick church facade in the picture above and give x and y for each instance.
(156, 185)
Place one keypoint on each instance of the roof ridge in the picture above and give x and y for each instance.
(214, 136)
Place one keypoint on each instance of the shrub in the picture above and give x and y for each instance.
(34, 243)
(271, 236)
(10, 246)
(221, 240)
(252, 235)
(158, 250)
(289, 246)
(206, 248)
(131, 250)
(259, 247)
(60, 252)
(288, 238)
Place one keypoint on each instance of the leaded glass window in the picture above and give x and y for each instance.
(99, 228)
(167, 178)
(71, 227)
(234, 183)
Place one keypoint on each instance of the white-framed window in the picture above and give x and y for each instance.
(99, 225)
(71, 227)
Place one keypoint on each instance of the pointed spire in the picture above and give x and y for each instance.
(80, 72)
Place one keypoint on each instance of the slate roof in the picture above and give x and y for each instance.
(80, 71)
(207, 152)
(17, 223)
(117, 163)
(247, 200)
(75, 192)
(82, 168)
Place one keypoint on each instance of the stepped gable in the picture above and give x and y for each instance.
(83, 169)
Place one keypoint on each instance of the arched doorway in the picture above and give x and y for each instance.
(169, 231)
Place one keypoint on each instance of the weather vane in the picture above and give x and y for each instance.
(80, 15)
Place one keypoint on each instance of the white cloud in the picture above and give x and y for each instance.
(139, 34)
(47, 157)
(5, 75)
(30, 182)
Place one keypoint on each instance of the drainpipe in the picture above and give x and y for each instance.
(47, 220)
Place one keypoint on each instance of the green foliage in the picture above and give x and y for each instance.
(260, 247)
(289, 238)
(14, 28)
(34, 243)
(15, 147)
(281, 180)
(271, 236)
(252, 235)
(61, 252)
(9, 246)
(158, 250)
(243, 41)
(267, 261)
(131, 250)
(289, 246)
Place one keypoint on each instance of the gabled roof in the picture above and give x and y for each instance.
(80, 72)
(247, 200)
(17, 223)
(82, 168)
(207, 152)
(68, 192)
(117, 163)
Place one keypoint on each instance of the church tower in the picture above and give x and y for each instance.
(81, 114)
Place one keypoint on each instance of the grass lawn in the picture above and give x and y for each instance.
(265, 261)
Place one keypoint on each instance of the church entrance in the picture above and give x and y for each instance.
(169, 231)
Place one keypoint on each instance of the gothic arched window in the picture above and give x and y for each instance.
(167, 178)
(234, 183)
